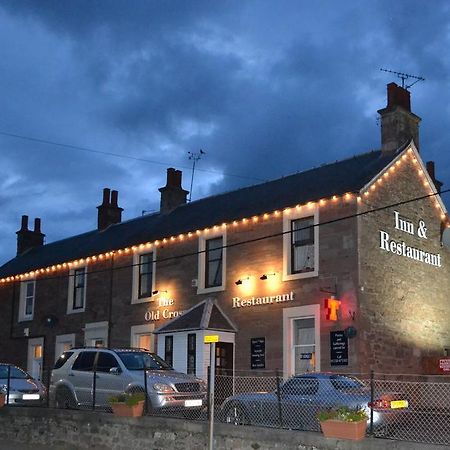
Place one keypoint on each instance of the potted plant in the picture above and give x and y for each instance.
(343, 423)
(128, 405)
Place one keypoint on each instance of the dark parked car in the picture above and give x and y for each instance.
(23, 389)
(300, 398)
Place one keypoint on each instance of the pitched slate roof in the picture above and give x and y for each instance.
(348, 175)
(207, 315)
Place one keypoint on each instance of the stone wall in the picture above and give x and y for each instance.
(75, 430)
(404, 303)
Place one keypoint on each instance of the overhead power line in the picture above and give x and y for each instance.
(261, 238)
(118, 155)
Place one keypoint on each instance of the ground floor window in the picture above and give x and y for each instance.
(301, 339)
(191, 353)
(142, 337)
(303, 345)
(168, 350)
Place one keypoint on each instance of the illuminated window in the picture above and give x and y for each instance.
(302, 245)
(214, 261)
(144, 265)
(77, 290)
(26, 303)
(145, 275)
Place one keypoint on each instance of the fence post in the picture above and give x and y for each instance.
(280, 412)
(146, 391)
(372, 399)
(8, 385)
(94, 387)
(208, 387)
(212, 376)
(47, 386)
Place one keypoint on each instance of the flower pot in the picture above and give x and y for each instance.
(123, 410)
(2, 400)
(339, 429)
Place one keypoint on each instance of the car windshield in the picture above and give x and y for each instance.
(141, 360)
(345, 383)
(15, 373)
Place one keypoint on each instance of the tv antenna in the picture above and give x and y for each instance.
(404, 77)
(194, 157)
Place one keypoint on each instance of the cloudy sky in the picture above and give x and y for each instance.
(265, 88)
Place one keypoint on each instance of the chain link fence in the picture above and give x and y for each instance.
(411, 408)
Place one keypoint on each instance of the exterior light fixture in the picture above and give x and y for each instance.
(240, 281)
(158, 292)
(264, 276)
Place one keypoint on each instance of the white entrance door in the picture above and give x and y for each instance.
(63, 343)
(35, 357)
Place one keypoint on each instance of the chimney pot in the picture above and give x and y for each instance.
(114, 198)
(24, 225)
(106, 195)
(37, 225)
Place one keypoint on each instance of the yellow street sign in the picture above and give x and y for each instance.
(211, 338)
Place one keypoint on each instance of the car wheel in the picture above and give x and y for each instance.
(236, 415)
(64, 399)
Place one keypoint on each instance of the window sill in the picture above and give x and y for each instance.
(203, 290)
(76, 311)
(25, 319)
(299, 276)
(135, 301)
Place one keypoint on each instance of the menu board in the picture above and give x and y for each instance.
(338, 348)
(258, 353)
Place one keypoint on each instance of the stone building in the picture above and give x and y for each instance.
(337, 268)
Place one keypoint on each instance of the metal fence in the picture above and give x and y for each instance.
(266, 399)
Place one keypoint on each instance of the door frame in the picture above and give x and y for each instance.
(32, 343)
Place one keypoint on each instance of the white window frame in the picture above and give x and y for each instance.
(139, 330)
(62, 339)
(94, 331)
(135, 283)
(22, 301)
(70, 309)
(289, 315)
(288, 217)
(211, 234)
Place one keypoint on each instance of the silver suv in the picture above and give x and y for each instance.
(87, 377)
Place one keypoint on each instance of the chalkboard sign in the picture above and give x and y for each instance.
(339, 348)
(258, 353)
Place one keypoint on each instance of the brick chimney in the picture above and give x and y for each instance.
(431, 172)
(398, 124)
(109, 211)
(28, 239)
(172, 194)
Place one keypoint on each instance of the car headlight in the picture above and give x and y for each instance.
(163, 388)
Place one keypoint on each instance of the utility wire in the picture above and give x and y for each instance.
(118, 155)
(261, 238)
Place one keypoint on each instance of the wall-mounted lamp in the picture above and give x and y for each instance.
(240, 281)
(264, 276)
(158, 292)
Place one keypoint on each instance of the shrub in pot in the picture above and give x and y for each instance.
(128, 405)
(343, 423)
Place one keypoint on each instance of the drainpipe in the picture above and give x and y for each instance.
(111, 272)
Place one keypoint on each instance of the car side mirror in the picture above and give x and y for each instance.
(115, 370)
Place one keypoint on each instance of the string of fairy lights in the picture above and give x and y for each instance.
(348, 197)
